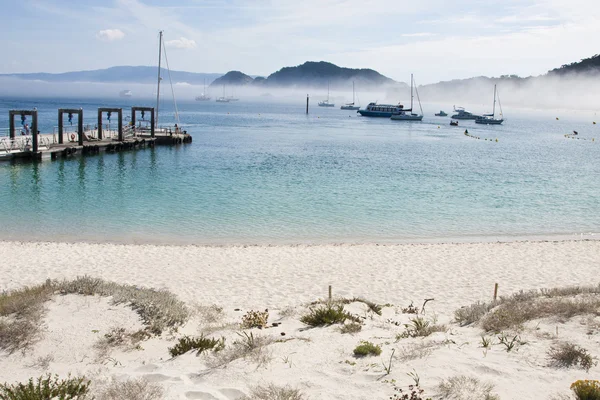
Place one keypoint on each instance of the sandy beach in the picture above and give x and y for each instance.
(284, 279)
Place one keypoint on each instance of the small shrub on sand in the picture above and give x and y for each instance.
(47, 387)
(255, 319)
(586, 390)
(132, 389)
(352, 327)
(419, 327)
(566, 355)
(413, 393)
(366, 349)
(325, 315)
(199, 345)
(273, 392)
(464, 387)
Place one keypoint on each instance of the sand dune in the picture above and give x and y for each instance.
(284, 279)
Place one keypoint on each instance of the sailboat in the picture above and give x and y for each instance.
(203, 96)
(222, 99)
(162, 49)
(490, 119)
(326, 103)
(407, 114)
(350, 106)
(232, 97)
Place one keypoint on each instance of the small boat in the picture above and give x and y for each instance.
(326, 103)
(125, 93)
(453, 123)
(223, 99)
(441, 114)
(350, 106)
(490, 119)
(461, 113)
(407, 114)
(203, 96)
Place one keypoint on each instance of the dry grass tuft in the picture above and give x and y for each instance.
(273, 392)
(566, 355)
(21, 310)
(419, 327)
(352, 327)
(212, 314)
(133, 389)
(415, 351)
(248, 346)
(514, 310)
(466, 388)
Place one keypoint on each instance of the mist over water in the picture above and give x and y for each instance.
(264, 172)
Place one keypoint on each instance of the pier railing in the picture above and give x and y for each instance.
(22, 143)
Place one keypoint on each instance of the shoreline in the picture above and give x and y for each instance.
(223, 243)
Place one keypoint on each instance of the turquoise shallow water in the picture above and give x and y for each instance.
(267, 173)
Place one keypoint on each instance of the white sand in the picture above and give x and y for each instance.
(277, 277)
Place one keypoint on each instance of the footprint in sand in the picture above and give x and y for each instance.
(200, 396)
(232, 394)
(157, 377)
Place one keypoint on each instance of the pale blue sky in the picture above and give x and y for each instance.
(435, 39)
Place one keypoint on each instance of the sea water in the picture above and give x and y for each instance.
(265, 172)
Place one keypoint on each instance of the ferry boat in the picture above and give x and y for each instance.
(441, 114)
(381, 110)
(461, 113)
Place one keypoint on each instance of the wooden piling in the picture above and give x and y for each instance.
(495, 291)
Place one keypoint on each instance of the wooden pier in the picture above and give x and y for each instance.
(31, 144)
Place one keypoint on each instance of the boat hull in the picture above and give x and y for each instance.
(441, 115)
(326, 105)
(464, 116)
(354, 108)
(380, 114)
(485, 121)
(406, 117)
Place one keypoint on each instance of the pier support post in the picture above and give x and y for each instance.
(61, 113)
(99, 124)
(34, 131)
(150, 110)
(80, 126)
(60, 126)
(120, 119)
(119, 111)
(152, 131)
(34, 125)
(11, 125)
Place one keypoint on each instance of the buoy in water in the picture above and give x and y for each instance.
(557, 118)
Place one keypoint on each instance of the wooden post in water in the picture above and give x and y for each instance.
(495, 291)
(60, 126)
(99, 124)
(11, 125)
(330, 293)
(307, 104)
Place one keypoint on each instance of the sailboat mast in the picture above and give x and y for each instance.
(411, 92)
(352, 92)
(494, 107)
(328, 92)
(158, 86)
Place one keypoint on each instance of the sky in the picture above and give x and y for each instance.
(434, 39)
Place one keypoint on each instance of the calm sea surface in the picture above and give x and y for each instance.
(267, 173)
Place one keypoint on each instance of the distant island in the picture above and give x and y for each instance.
(311, 74)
